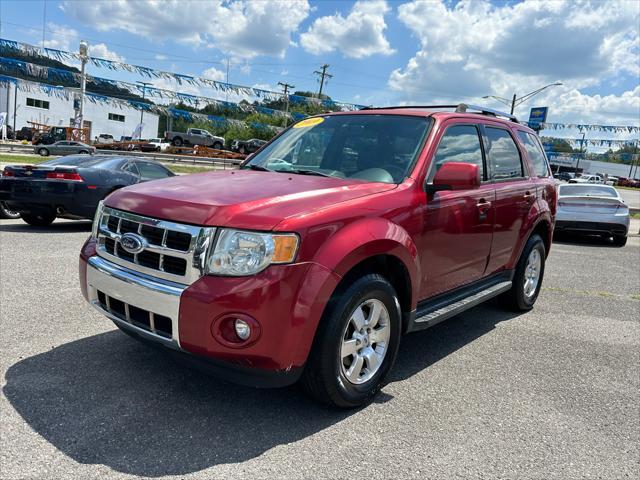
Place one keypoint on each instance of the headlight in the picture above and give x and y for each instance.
(238, 253)
(96, 219)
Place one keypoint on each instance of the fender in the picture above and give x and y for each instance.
(366, 238)
(539, 212)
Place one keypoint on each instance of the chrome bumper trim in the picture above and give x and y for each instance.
(155, 295)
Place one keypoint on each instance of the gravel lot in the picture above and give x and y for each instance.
(553, 393)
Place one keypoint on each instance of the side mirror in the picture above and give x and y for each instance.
(455, 176)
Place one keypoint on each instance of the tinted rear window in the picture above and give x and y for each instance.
(587, 190)
(72, 160)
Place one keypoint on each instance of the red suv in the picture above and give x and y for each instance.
(339, 236)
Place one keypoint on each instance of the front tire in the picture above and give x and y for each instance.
(528, 276)
(39, 220)
(356, 343)
(43, 152)
(177, 142)
(217, 146)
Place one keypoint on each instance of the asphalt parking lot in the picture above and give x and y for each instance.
(552, 393)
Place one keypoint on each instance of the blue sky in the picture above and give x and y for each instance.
(379, 52)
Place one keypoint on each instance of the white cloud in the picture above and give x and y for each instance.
(214, 74)
(100, 50)
(475, 48)
(61, 37)
(242, 28)
(359, 34)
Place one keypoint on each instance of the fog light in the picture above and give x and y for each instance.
(243, 330)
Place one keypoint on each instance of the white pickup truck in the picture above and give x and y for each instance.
(194, 136)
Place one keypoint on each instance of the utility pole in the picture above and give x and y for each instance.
(323, 74)
(286, 87)
(144, 90)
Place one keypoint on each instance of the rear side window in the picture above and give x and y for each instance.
(504, 156)
(149, 171)
(460, 143)
(536, 154)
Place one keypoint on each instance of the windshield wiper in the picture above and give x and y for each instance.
(301, 171)
(258, 168)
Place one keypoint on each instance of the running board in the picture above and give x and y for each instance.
(436, 312)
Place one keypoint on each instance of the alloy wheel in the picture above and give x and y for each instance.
(365, 341)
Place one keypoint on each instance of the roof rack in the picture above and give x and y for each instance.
(459, 108)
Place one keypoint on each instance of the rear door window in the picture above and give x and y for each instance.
(150, 171)
(504, 156)
(460, 143)
(536, 154)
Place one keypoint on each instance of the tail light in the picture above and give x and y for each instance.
(73, 177)
(8, 173)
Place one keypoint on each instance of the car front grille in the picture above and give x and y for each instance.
(172, 251)
(138, 317)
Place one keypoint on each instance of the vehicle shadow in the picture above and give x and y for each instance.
(584, 240)
(55, 227)
(110, 400)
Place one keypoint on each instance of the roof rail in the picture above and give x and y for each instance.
(459, 108)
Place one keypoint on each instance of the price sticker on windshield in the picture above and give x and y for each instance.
(309, 122)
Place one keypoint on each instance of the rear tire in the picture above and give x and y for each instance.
(528, 276)
(217, 146)
(7, 213)
(43, 152)
(177, 142)
(39, 220)
(356, 344)
(83, 152)
(620, 240)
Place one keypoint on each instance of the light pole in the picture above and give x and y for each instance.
(515, 101)
(84, 58)
(582, 152)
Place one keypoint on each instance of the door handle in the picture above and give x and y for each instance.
(529, 197)
(483, 208)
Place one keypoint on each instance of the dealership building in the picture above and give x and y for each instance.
(36, 106)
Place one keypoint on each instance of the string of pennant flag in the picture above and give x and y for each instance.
(35, 52)
(590, 128)
(598, 142)
(52, 74)
(66, 94)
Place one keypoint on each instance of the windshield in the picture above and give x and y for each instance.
(587, 191)
(376, 148)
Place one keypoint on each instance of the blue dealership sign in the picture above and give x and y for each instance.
(537, 116)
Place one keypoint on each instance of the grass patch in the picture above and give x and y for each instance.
(185, 169)
(636, 215)
(12, 158)
(628, 188)
(635, 296)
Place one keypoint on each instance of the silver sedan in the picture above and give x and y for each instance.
(596, 209)
(64, 147)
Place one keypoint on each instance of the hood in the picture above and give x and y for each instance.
(239, 198)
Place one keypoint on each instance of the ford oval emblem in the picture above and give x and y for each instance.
(132, 243)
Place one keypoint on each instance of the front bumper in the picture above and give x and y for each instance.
(287, 301)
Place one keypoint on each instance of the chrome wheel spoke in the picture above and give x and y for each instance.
(532, 273)
(372, 358)
(353, 373)
(379, 335)
(358, 319)
(374, 314)
(349, 347)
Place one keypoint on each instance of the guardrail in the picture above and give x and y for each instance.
(221, 163)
